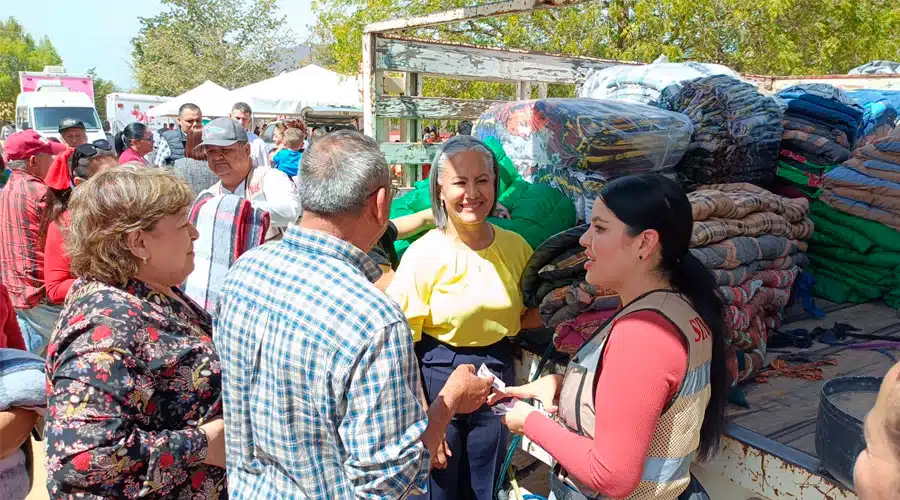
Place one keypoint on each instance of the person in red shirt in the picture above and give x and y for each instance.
(22, 201)
(68, 170)
(647, 393)
(134, 143)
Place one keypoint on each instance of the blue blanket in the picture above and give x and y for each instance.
(22, 380)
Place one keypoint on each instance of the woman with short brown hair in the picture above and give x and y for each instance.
(135, 383)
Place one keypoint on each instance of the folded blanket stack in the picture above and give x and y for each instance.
(880, 108)
(821, 125)
(868, 185)
(644, 83)
(737, 130)
(577, 145)
(853, 259)
(753, 241)
(228, 226)
(554, 282)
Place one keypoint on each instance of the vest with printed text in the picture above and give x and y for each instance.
(676, 439)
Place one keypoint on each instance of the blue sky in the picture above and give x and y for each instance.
(97, 33)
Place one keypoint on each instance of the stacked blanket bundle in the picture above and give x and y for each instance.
(853, 259)
(644, 83)
(868, 185)
(737, 130)
(821, 125)
(880, 108)
(577, 145)
(753, 241)
(553, 281)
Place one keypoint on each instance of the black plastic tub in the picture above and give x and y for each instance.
(839, 427)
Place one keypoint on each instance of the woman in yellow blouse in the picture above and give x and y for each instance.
(459, 288)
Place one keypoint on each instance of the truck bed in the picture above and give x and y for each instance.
(785, 409)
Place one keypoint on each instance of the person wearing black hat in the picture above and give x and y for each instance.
(73, 132)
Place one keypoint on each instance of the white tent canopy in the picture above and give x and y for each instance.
(290, 93)
(208, 96)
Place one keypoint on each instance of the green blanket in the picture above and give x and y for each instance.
(536, 211)
(853, 259)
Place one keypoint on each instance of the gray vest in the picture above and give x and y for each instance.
(177, 141)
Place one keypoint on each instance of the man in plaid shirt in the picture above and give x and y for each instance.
(22, 203)
(321, 386)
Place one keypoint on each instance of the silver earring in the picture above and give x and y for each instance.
(145, 259)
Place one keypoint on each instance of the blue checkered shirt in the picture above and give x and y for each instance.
(320, 379)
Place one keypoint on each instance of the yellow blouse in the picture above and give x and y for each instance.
(460, 296)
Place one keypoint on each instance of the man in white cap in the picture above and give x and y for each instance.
(228, 156)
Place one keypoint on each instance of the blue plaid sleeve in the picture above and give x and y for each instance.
(163, 152)
(384, 422)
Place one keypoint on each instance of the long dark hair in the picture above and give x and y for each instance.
(651, 201)
(132, 131)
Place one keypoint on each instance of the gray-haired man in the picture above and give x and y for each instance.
(320, 381)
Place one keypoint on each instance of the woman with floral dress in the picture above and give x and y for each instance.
(134, 382)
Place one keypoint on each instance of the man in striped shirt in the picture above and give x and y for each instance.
(321, 386)
(22, 203)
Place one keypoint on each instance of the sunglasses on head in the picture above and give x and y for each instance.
(94, 148)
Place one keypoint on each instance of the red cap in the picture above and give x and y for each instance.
(23, 145)
(60, 176)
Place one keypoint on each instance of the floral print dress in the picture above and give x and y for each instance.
(131, 375)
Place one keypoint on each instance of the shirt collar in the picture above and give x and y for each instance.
(317, 242)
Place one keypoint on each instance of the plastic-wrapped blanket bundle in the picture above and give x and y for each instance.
(752, 242)
(644, 83)
(880, 110)
(577, 145)
(737, 130)
(821, 125)
(877, 68)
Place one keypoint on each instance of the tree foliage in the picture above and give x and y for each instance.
(20, 52)
(231, 42)
(101, 89)
(776, 37)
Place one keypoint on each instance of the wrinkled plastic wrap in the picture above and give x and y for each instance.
(644, 83)
(577, 145)
(737, 130)
(877, 68)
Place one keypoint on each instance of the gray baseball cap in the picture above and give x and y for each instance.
(223, 132)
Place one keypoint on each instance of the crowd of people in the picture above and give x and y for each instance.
(325, 368)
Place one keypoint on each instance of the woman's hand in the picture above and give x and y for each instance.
(515, 418)
(545, 389)
(215, 442)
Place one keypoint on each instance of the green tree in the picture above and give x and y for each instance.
(101, 89)
(20, 52)
(231, 42)
(777, 37)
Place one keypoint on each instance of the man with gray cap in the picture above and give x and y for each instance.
(320, 383)
(73, 132)
(228, 156)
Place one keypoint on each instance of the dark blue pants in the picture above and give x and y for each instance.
(478, 441)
